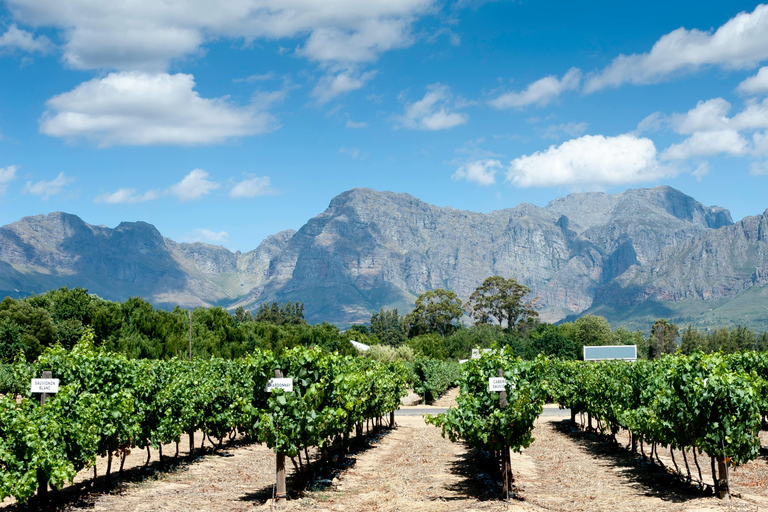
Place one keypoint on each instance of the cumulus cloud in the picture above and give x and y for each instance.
(541, 92)
(482, 172)
(194, 186)
(253, 186)
(128, 196)
(146, 35)
(331, 86)
(707, 143)
(206, 235)
(373, 37)
(711, 131)
(46, 189)
(741, 42)
(432, 112)
(757, 84)
(7, 175)
(132, 108)
(591, 160)
(707, 115)
(17, 39)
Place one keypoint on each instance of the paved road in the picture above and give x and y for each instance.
(418, 411)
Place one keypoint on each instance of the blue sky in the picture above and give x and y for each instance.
(226, 123)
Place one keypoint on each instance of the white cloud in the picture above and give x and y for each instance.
(353, 152)
(541, 92)
(711, 131)
(146, 34)
(331, 86)
(131, 108)
(253, 186)
(373, 37)
(433, 112)
(128, 196)
(354, 125)
(759, 168)
(269, 75)
(482, 172)
(194, 186)
(651, 123)
(707, 144)
(206, 235)
(559, 131)
(707, 115)
(46, 189)
(761, 143)
(7, 175)
(16, 38)
(757, 84)
(591, 160)
(741, 42)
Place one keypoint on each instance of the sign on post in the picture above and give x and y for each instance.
(45, 385)
(498, 384)
(280, 383)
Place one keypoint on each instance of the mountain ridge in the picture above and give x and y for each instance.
(372, 249)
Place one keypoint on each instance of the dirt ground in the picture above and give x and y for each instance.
(412, 468)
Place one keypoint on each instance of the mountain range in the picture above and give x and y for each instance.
(632, 257)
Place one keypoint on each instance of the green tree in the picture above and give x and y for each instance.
(590, 330)
(242, 315)
(429, 345)
(549, 340)
(11, 340)
(502, 301)
(436, 311)
(387, 325)
(662, 340)
(692, 340)
(290, 313)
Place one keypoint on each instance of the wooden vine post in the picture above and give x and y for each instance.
(722, 478)
(280, 492)
(42, 481)
(506, 463)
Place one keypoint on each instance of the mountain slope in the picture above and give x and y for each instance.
(644, 248)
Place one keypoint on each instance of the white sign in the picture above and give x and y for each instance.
(45, 385)
(498, 384)
(285, 384)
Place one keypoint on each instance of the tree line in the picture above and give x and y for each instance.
(501, 313)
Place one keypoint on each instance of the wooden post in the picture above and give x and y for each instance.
(506, 466)
(280, 493)
(42, 481)
(722, 478)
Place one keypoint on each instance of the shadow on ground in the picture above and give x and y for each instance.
(83, 495)
(480, 477)
(653, 479)
(319, 474)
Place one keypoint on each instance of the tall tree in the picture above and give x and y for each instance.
(436, 311)
(502, 301)
(662, 340)
(387, 325)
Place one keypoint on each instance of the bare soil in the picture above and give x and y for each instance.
(413, 468)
